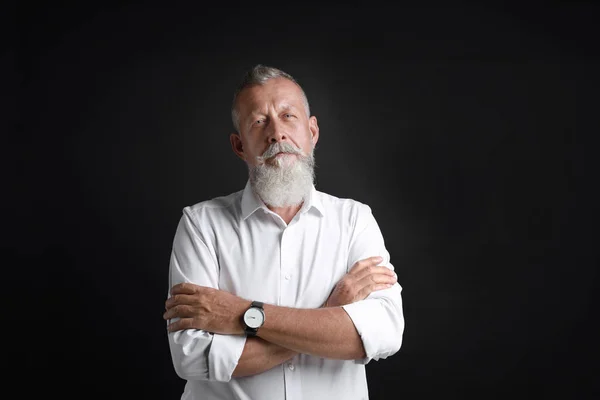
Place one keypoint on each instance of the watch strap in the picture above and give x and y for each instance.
(257, 304)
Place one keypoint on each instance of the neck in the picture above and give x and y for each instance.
(286, 213)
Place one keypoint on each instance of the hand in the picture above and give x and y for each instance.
(200, 307)
(363, 278)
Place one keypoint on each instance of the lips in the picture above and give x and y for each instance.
(283, 153)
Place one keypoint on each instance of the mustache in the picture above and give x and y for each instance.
(280, 147)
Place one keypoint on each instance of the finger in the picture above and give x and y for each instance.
(374, 270)
(367, 262)
(180, 299)
(180, 325)
(367, 290)
(179, 312)
(376, 278)
(184, 288)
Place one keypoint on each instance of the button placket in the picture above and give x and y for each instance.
(285, 266)
(285, 276)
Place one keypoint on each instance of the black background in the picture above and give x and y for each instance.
(470, 131)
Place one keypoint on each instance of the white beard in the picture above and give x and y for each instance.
(284, 181)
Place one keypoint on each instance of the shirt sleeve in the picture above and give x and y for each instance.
(197, 354)
(379, 318)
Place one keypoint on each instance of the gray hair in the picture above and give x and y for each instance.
(259, 75)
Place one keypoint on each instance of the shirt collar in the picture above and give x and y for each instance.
(251, 202)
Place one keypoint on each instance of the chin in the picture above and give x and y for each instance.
(287, 181)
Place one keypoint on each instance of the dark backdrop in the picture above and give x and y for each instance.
(469, 131)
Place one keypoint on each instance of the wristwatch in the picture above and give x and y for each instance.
(253, 318)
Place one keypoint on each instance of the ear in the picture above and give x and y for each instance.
(313, 126)
(237, 146)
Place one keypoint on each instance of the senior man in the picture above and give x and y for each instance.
(279, 291)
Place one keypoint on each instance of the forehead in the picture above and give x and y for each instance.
(276, 92)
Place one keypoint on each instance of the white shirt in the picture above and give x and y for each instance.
(235, 243)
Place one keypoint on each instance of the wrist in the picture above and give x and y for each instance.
(239, 316)
(253, 318)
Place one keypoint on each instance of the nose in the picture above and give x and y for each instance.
(275, 132)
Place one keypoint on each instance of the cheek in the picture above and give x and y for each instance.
(253, 150)
(307, 142)
(250, 147)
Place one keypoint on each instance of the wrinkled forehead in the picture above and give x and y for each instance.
(279, 93)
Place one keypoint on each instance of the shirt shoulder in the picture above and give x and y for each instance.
(215, 210)
(347, 210)
(340, 203)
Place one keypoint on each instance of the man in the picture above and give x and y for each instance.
(279, 291)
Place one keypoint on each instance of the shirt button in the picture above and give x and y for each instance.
(291, 366)
(287, 277)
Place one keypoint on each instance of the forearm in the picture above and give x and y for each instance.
(323, 332)
(259, 356)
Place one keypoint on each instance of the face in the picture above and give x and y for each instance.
(273, 113)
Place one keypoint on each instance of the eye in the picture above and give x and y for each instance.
(288, 115)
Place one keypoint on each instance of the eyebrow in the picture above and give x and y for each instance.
(282, 107)
(286, 106)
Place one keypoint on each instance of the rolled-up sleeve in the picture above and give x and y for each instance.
(197, 354)
(379, 319)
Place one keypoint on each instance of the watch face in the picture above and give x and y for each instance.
(254, 317)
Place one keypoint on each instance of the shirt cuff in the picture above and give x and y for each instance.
(365, 315)
(224, 355)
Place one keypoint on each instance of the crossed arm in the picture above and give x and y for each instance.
(358, 321)
(324, 332)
